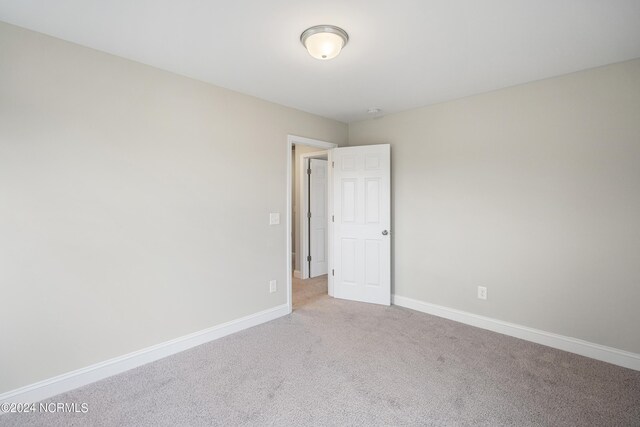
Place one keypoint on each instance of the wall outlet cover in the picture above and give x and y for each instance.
(273, 286)
(482, 292)
(274, 218)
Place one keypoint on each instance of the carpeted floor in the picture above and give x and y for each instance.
(335, 362)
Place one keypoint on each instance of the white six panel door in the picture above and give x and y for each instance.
(362, 220)
(318, 221)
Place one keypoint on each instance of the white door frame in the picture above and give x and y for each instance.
(323, 145)
(303, 194)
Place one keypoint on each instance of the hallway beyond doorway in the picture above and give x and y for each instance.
(309, 290)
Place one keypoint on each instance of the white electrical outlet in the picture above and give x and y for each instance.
(274, 218)
(482, 292)
(273, 286)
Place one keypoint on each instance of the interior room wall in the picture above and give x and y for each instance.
(134, 205)
(532, 191)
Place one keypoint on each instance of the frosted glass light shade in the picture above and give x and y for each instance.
(324, 41)
(324, 45)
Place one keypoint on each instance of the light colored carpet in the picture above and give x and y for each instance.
(335, 362)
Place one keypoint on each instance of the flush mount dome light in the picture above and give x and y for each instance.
(324, 41)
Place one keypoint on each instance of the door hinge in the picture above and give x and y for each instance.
(333, 272)
(333, 218)
(309, 171)
(309, 215)
(309, 258)
(333, 164)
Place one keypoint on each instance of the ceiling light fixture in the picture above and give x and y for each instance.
(324, 41)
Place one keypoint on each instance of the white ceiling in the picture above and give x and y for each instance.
(401, 54)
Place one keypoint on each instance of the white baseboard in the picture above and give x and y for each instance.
(297, 274)
(561, 342)
(65, 382)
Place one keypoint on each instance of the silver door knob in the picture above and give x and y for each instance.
(385, 232)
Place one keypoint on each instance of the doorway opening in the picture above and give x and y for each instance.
(357, 233)
(308, 225)
(311, 201)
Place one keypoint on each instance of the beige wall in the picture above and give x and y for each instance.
(532, 191)
(134, 205)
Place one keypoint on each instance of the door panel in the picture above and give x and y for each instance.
(371, 263)
(318, 222)
(362, 211)
(348, 251)
(372, 202)
(349, 197)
